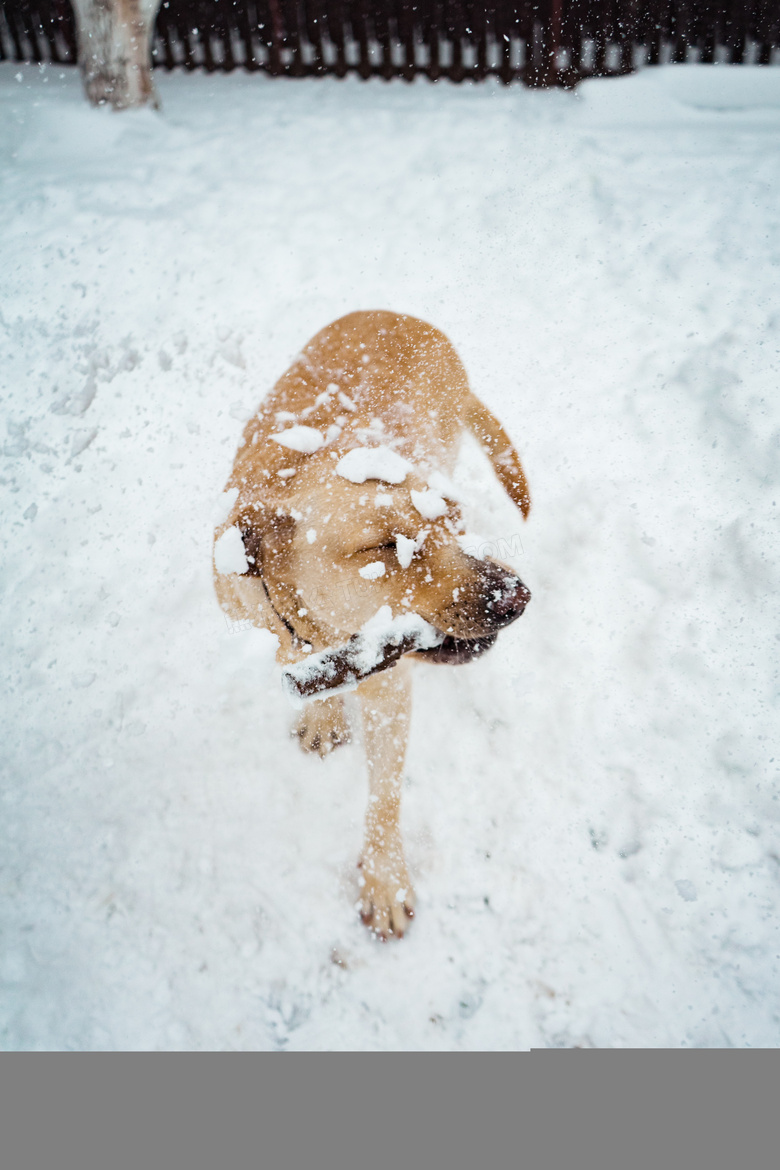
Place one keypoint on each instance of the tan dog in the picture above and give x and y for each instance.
(338, 505)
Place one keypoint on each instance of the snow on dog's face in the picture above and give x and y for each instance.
(365, 529)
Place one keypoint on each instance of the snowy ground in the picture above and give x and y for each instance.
(592, 810)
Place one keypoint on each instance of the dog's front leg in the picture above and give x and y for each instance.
(386, 894)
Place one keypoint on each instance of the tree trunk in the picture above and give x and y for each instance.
(115, 51)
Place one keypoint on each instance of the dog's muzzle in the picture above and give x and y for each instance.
(502, 599)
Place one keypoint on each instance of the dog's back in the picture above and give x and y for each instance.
(377, 366)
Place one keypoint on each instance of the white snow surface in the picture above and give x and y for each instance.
(225, 505)
(591, 809)
(229, 552)
(444, 486)
(373, 571)
(429, 504)
(405, 550)
(380, 462)
(305, 440)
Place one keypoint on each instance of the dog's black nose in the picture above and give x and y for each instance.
(505, 596)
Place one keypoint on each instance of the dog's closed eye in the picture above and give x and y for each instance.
(385, 546)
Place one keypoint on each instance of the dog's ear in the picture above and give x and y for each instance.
(258, 591)
(266, 533)
(500, 451)
(252, 540)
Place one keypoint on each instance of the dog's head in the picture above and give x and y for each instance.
(351, 533)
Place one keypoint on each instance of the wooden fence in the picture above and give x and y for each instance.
(547, 42)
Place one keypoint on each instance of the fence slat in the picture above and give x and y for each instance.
(542, 42)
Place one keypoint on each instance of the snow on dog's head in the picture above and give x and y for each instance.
(364, 463)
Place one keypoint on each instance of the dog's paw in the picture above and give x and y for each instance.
(322, 726)
(386, 896)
